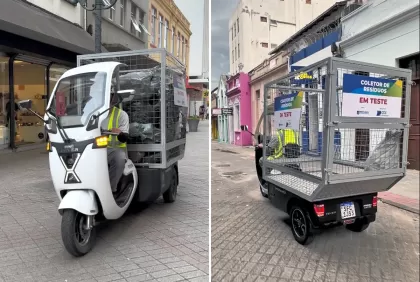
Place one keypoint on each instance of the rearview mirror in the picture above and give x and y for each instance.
(25, 104)
(126, 95)
(244, 127)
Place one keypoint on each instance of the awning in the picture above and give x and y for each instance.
(26, 20)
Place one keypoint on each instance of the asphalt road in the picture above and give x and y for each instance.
(251, 240)
(165, 242)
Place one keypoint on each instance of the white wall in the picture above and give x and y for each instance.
(62, 9)
(386, 46)
(290, 17)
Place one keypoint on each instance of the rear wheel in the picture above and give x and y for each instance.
(77, 240)
(359, 225)
(170, 195)
(301, 225)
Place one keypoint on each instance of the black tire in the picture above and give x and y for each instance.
(170, 195)
(75, 243)
(301, 225)
(359, 225)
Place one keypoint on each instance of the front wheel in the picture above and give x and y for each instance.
(77, 240)
(170, 195)
(301, 225)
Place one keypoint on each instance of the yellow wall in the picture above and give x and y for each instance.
(177, 20)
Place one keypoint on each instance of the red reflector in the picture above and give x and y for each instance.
(349, 221)
(319, 210)
(375, 201)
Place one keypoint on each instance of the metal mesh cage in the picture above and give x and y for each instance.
(157, 124)
(325, 144)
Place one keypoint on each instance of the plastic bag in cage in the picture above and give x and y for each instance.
(141, 130)
(387, 154)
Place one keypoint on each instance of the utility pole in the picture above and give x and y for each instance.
(97, 8)
(98, 27)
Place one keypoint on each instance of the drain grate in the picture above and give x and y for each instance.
(227, 151)
(223, 165)
(232, 173)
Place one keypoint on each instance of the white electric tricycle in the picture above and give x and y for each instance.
(78, 153)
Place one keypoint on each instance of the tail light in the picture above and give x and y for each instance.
(375, 201)
(319, 210)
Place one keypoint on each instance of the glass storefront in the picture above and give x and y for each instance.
(4, 98)
(29, 83)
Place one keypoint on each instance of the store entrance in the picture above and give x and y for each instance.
(29, 83)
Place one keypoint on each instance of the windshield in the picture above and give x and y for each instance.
(77, 97)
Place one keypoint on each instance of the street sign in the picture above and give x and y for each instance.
(217, 112)
(227, 111)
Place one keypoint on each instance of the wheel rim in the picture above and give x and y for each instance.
(174, 186)
(299, 223)
(81, 234)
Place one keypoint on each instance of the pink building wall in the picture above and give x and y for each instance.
(240, 90)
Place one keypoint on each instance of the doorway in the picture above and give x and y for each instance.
(30, 83)
(413, 63)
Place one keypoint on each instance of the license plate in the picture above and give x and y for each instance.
(347, 210)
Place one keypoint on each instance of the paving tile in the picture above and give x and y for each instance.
(141, 246)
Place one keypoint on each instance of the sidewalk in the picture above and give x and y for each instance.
(404, 195)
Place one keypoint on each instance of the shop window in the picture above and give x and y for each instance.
(30, 84)
(166, 35)
(160, 32)
(112, 13)
(183, 49)
(4, 99)
(263, 19)
(179, 44)
(237, 24)
(173, 41)
(153, 25)
(122, 12)
(133, 27)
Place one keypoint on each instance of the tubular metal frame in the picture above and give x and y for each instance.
(331, 121)
(163, 146)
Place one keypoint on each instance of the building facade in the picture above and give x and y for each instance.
(271, 69)
(64, 9)
(256, 27)
(222, 103)
(239, 102)
(124, 26)
(389, 35)
(36, 48)
(214, 113)
(169, 29)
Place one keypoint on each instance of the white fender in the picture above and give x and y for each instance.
(82, 201)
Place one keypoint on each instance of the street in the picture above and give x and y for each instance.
(164, 242)
(252, 242)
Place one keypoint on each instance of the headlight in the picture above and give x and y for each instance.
(101, 142)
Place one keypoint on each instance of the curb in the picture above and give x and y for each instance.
(398, 202)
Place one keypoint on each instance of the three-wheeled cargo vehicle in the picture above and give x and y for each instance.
(334, 134)
(149, 86)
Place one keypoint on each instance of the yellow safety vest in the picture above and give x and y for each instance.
(289, 137)
(113, 123)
